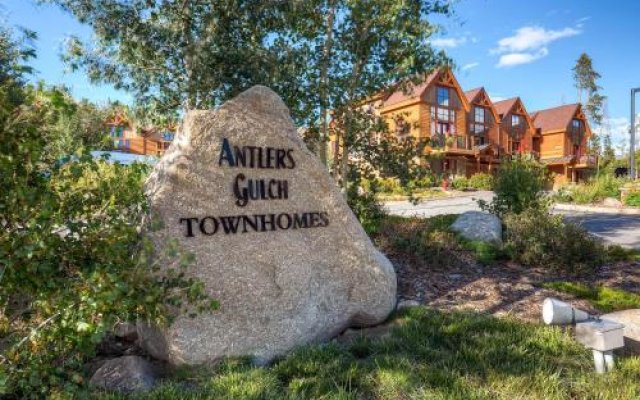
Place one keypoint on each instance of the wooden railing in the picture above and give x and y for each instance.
(587, 160)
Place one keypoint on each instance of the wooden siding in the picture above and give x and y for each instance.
(553, 144)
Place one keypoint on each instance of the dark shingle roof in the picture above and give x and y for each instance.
(554, 118)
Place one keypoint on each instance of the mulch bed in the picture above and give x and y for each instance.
(504, 288)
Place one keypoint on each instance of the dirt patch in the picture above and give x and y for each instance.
(500, 289)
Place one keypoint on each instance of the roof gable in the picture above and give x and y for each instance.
(557, 118)
(480, 97)
(443, 76)
(513, 106)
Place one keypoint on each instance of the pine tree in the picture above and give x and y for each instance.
(586, 81)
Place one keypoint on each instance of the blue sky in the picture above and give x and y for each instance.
(511, 47)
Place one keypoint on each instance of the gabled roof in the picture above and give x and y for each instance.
(556, 118)
(481, 97)
(413, 92)
(417, 91)
(471, 94)
(504, 106)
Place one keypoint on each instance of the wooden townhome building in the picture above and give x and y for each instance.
(565, 132)
(466, 132)
(129, 138)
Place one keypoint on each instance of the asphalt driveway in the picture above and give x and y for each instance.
(620, 229)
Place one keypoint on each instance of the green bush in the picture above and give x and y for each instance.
(633, 199)
(536, 238)
(389, 185)
(72, 262)
(518, 186)
(460, 183)
(429, 243)
(481, 181)
(597, 189)
(366, 207)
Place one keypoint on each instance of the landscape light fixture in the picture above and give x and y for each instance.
(632, 131)
(600, 335)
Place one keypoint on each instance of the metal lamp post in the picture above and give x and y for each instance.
(632, 147)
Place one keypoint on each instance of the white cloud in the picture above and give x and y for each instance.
(449, 42)
(529, 44)
(469, 66)
(580, 22)
(619, 130)
(512, 59)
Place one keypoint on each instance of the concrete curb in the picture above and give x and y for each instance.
(596, 209)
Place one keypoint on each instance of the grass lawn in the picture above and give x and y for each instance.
(603, 298)
(429, 355)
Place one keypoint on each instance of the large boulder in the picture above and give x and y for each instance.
(476, 225)
(274, 240)
(631, 321)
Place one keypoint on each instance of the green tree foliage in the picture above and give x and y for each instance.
(318, 55)
(518, 186)
(71, 260)
(181, 53)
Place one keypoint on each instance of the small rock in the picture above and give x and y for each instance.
(407, 304)
(612, 202)
(126, 331)
(124, 375)
(476, 225)
(631, 321)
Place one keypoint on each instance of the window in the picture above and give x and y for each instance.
(479, 115)
(443, 96)
(577, 130)
(479, 126)
(516, 120)
(515, 147)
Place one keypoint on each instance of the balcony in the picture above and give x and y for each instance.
(586, 161)
(459, 144)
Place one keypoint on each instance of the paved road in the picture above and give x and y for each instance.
(614, 228)
(429, 208)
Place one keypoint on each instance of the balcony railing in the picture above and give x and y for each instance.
(451, 142)
(587, 160)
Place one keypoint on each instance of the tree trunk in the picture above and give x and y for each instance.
(324, 69)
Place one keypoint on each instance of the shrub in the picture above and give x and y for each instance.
(426, 242)
(389, 185)
(536, 238)
(366, 208)
(597, 189)
(633, 199)
(460, 183)
(518, 186)
(481, 181)
(72, 262)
